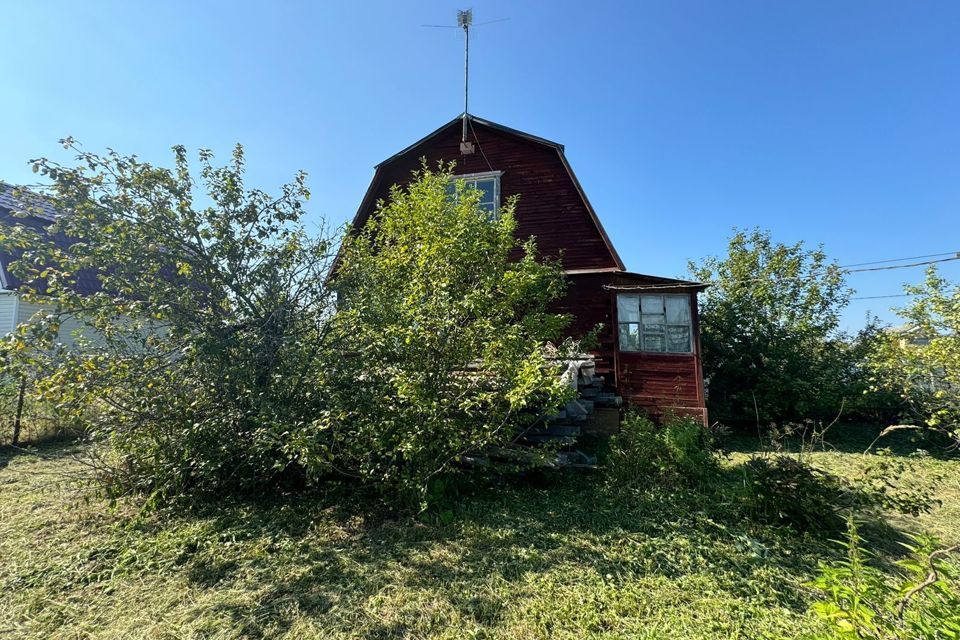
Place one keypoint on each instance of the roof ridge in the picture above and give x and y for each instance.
(482, 122)
(37, 204)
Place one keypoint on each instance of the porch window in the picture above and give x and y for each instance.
(655, 323)
(488, 184)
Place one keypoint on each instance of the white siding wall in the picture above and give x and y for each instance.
(8, 305)
(26, 310)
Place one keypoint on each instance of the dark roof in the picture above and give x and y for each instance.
(40, 213)
(26, 201)
(472, 119)
(643, 281)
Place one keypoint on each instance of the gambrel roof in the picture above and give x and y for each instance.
(553, 206)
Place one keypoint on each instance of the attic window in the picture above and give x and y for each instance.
(488, 184)
(655, 323)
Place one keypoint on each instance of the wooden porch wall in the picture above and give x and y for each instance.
(658, 383)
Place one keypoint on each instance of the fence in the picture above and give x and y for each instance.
(26, 420)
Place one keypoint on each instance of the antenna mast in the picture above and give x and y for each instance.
(464, 20)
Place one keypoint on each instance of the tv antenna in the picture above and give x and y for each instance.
(465, 21)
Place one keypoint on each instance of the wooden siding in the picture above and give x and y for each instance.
(550, 207)
(590, 305)
(659, 383)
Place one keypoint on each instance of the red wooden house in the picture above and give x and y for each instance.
(649, 347)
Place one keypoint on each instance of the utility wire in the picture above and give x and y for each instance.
(845, 270)
(956, 256)
(892, 295)
(479, 146)
(932, 255)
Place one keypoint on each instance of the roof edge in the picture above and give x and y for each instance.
(593, 214)
(481, 122)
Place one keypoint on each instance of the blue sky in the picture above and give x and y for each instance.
(829, 122)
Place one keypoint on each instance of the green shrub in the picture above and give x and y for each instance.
(680, 450)
(770, 324)
(862, 602)
(785, 489)
(40, 420)
(922, 363)
(198, 374)
(441, 338)
(781, 489)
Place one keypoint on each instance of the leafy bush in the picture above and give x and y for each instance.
(39, 420)
(678, 450)
(219, 360)
(772, 348)
(441, 338)
(785, 489)
(921, 363)
(862, 602)
(208, 312)
(781, 489)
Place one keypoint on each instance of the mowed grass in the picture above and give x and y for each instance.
(564, 557)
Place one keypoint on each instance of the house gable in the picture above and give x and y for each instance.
(552, 206)
(20, 206)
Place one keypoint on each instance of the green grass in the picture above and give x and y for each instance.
(563, 558)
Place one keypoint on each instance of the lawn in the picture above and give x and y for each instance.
(562, 557)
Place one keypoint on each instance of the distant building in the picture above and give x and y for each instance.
(40, 213)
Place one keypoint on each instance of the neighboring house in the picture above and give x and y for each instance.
(913, 338)
(649, 346)
(910, 334)
(13, 309)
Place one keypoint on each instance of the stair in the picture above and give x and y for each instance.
(579, 415)
(595, 411)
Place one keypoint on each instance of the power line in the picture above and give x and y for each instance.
(956, 256)
(844, 270)
(892, 295)
(932, 255)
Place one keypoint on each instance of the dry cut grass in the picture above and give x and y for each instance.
(563, 559)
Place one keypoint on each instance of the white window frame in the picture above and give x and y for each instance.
(470, 179)
(666, 325)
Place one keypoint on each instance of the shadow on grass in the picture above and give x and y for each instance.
(848, 438)
(50, 448)
(323, 556)
(335, 561)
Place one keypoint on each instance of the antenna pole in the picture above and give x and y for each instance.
(466, 75)
(464, 20)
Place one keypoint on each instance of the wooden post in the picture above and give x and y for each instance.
(16, 419)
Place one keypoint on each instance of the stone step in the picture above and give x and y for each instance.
(542, 439)
(555, 430)
(607, 400)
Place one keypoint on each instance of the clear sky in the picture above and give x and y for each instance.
(829, 122)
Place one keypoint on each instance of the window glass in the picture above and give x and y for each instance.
(488, 188)
(628, 308)
(678, 309)
(651, 304)
(653, 341)
(678, 339)
(629, 336)
(655, 323)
